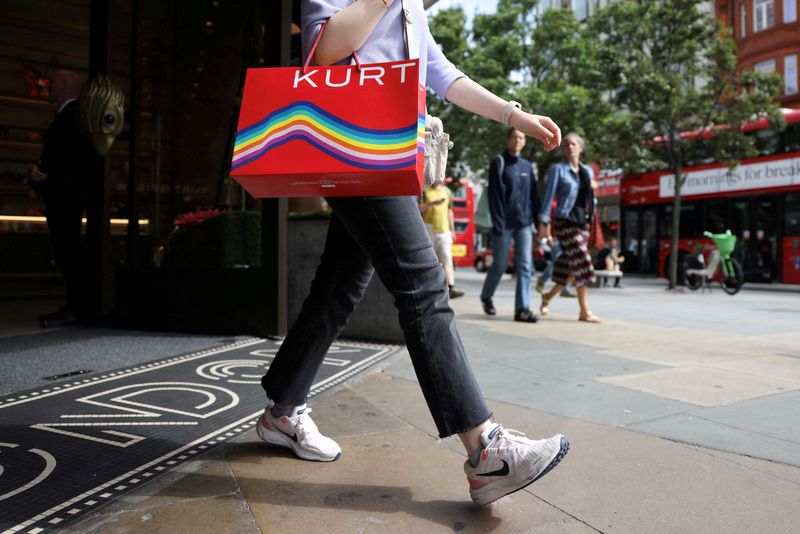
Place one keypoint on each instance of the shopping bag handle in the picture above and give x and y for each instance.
(314, 48)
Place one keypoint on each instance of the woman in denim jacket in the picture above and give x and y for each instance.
(571, 183)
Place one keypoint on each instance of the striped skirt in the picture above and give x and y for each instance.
(574, 256)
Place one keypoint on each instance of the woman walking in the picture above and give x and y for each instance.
(387, 236)
(571, 184)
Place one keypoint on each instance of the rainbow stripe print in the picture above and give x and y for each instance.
(353, 145)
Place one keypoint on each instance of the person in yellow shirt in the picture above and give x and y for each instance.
(436, 207)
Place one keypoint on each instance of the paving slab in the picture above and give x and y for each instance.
(688, 428)
(704, 386)
(202, 496)
(782, 368)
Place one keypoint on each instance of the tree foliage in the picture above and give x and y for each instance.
(637, 71)
(541, 60)
(670, 71)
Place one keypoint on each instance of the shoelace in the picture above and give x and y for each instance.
(511, 435)
(302, 423)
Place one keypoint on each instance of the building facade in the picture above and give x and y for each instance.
(767, 34)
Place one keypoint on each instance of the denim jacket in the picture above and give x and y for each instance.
(561, 185)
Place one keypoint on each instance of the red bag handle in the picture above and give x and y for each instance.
(314, 48)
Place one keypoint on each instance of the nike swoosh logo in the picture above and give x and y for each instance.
(294, 436)
(268, 426)
(499, 473)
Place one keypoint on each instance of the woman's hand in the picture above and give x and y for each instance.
(539, 127)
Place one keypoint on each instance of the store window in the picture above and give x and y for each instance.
(789, 11)
(790, 74)
(763, 14)
(766, 67)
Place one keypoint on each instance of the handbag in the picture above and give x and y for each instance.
(596, 239)
(345, 130)
(437, 150)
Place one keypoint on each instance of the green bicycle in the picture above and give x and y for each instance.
(728, 271)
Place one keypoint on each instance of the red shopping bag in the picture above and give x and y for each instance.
(596, 239)
(355, 130)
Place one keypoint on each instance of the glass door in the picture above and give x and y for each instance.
(649, 241)
(765, 228)
(739, 224)
(763, 264)
(630, 237)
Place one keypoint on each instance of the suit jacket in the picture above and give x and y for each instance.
(68, 159)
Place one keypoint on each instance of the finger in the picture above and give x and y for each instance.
(548, 123)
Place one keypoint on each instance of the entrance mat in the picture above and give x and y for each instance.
(68, 449)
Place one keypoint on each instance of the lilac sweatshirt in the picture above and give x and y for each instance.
(386, 43)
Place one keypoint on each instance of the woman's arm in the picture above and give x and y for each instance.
(467, 94)
(349, 29)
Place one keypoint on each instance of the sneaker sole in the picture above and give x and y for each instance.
(282, 440)
(563, 449)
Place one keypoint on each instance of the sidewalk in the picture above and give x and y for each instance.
(649, 408)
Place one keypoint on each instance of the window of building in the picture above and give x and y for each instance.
(790, 75)
(743, 22)
(789, 11)
(763, 14)
(765, 66)
(581, 9)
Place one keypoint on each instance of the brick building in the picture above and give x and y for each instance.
(767, 34)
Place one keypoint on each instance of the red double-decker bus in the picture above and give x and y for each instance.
(759, 201)
(464, 219)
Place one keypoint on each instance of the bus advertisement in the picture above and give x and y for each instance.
(759, 201)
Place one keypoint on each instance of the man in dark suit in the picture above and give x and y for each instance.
(62, 178)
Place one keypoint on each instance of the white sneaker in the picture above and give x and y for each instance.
(298, 432)
(510, 462)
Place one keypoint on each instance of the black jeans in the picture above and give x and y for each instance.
(384, 235)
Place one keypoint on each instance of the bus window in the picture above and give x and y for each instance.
(768, 142)
(690, 220)
(791, 138)
(792, 214)
(460, 192)
(699, 153)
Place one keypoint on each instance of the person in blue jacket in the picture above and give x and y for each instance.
(513, 205)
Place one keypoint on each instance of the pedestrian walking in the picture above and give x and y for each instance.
(513, 204)
(436, 206)
(571, 183)
(387, 235)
